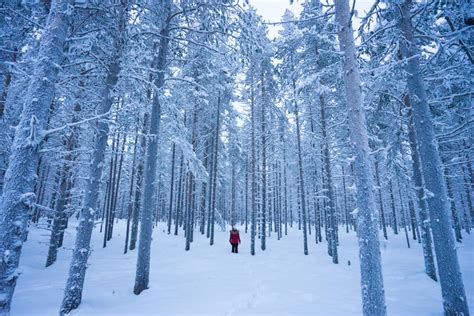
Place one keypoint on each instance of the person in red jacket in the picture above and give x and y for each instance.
(234, 240)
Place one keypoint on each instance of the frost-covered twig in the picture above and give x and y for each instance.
(22, 16)
(455, 131)
(69, 125)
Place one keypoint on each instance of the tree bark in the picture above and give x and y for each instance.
(373, 296)
(77, 270)
(170, 213)
(20, 176)
(138, 187)
(332, 240)
(214, 170)
(253, 194)
(263, 244)
(59, 218)
(452, 287)
(302, 200)
(132, 190)
(426, 239)
(149, 184)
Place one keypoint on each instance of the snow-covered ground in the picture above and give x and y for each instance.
(213, 281)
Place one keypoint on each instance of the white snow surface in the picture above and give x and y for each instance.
(212, 281)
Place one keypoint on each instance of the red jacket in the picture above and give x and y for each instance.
(234, 237)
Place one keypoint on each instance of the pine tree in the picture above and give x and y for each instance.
(452, 287)
(373, 296)
(20, 177)
(77, 269)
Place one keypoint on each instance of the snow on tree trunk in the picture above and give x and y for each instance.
(130, 203)
(20, 177)
(346, 206)
(149, 184)
(253, 188)
(301, 175)
(233, 215)
(204, 190)
(179, 195)
(382, 211)
(285, 187)
(452, 287)
(454, 211)
(212, 202)
(60, 217)
(392, 203)
(77, 269)
(263, 239)
(173, 158)
(315, 162)
(373, 296)
(190, 202)
(426, 240)
(138, 187)
(331, 209)
(13, 38)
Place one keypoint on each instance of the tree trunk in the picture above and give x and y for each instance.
(111, 187)
(454, 211)
(130, 195)
(253, 194)
(373, 296)
(13, 40)
(65, 183)
(302, 199)
(452, 287)
(426, 240)
(117, 187)
(204, 193)
(403, 212)
(246, 196)
(214, 170)
(20, 176)
(394, 210)
(263, 244)
(382, 211)
(77, 270)
(139, 187)
(285, 199)
(179, 196)
(149, 185)
(190, 206)
(233, 197)
(332, 240)
(170, 214)
(346, 206)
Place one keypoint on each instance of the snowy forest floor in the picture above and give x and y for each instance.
(213, 281)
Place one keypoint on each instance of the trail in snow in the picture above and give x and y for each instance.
(212, 281)
(246, 301)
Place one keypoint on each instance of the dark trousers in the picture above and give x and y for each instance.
(235, 248)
